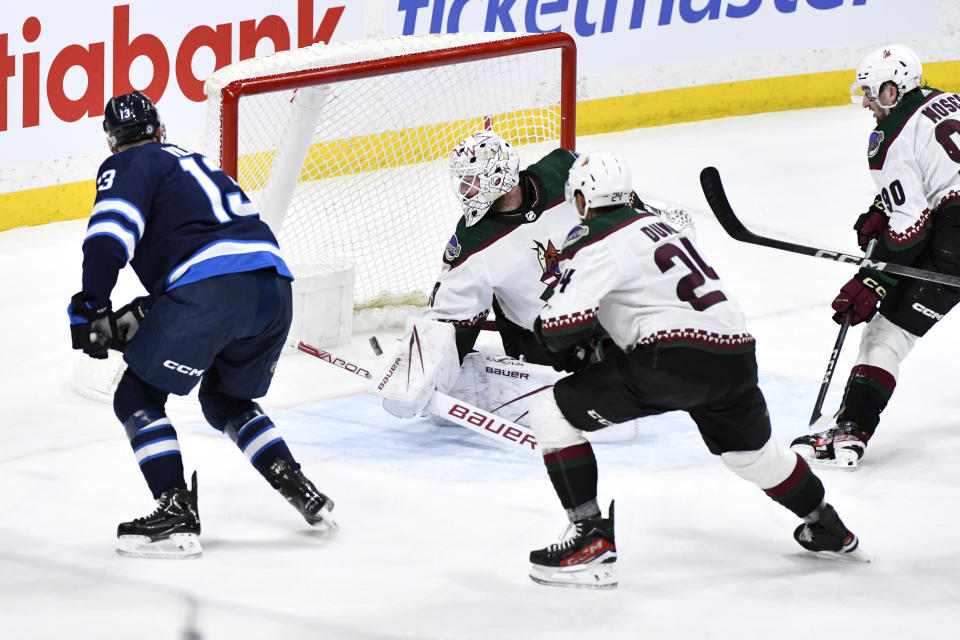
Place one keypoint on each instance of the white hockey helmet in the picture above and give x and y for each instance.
(602, 178)
(483, 167)
(893, 63)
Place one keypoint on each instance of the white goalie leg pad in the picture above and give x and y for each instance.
(766, 467)
(552, 430)
(503, 385)
(884, 345)
(425, 359)
(506, 387)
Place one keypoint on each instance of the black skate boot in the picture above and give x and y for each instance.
(840, 447)
(172, 531)
(300, 492)
(583, 559)
(829, 536)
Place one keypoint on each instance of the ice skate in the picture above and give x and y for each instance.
(300, 492)
(828, 536)
(583, 559)
(839, 447)
(172, 531)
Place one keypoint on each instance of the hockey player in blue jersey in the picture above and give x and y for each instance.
(217, 313)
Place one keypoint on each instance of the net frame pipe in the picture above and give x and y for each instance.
(235, 90)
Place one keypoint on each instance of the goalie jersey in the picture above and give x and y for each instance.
(914, 157)
(176, 218)
(514, 256)
(645, 282)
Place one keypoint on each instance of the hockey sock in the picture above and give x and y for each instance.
(254, 433)
(157, 449)
(868, 391)
(573, 472)
(802, 492)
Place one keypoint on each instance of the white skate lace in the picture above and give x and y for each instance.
(568, 538)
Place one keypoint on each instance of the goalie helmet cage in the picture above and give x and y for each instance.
(344, 147)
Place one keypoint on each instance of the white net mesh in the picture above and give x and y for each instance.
(366, 159)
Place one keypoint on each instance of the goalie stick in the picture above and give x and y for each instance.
(461, 413)
(717, 199)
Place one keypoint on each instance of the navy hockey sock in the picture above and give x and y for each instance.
(254, 433)
(802, 492)
(573, 472)
(157, 449)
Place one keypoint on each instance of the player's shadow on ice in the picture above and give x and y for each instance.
(293, 541)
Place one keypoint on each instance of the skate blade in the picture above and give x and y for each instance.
(178, 545)
(325, 525)
(857, 555)
(846, 461)
(590, 576)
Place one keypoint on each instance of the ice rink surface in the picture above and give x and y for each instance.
(436, 522)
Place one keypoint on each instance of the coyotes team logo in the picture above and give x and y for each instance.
(549, 258)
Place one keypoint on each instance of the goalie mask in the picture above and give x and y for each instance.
(483, 168)
(602, 178)
(894, 63)
(131, 118)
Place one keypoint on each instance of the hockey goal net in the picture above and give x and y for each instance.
(344, 147)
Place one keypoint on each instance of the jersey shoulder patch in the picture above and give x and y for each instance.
(599, 227)
(466, 241)
(887, 130)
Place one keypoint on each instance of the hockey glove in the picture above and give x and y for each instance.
(871, 224)
(91, 325)
(573, 359)
(128, 319)
(861, 295)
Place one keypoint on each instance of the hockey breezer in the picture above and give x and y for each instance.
(717, 199)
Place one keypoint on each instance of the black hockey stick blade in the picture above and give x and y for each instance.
(720, 205)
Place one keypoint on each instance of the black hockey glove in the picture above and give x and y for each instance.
(127, 320)
(871, 224)
(570, 359)
(573, 359)
(91, 325)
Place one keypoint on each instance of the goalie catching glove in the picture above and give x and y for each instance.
(91, 325)
(861, 295)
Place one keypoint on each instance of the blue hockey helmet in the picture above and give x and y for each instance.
(130, 118)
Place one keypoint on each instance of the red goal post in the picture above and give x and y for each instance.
(344, 146)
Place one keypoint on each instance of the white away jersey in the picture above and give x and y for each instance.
(914, 156)
(515, 257)
(644, 281)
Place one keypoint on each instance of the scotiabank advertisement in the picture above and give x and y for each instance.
(61, 60)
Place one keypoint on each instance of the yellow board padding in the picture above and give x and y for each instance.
(391, 149)
(745, 97)
(46, 204)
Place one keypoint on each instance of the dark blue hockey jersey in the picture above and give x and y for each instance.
(176, 218)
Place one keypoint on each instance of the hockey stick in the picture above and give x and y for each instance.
(816, 417)
(717, 199)
(464, 414)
